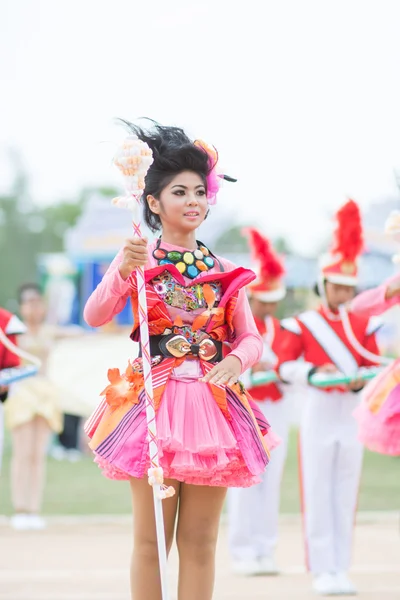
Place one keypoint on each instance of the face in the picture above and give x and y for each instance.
(337, 294)
(32, 307)
(262, 310)
(183, 203)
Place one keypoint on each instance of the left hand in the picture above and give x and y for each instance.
(357, 384)
(227, 372)
(3, 389)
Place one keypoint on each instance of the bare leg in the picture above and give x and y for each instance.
(22, 443)
(197, 533)
(145, 573)
(41, 438)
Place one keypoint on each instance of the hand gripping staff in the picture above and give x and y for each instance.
(133, 159)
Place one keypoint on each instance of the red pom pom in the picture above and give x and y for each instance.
(349, 239)
(271, 266)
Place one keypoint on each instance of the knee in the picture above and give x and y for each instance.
(146, 549)
(197, 544)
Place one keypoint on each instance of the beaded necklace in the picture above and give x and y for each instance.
(189, 264)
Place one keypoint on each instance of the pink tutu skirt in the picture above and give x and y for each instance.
(378, 415)
(198, 444)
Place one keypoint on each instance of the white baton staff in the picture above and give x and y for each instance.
(133, 159)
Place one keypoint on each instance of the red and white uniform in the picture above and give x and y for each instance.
(11, 326)
(254, 512)
(330, 453)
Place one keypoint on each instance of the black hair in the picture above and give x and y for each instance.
(28, 287)
(173, 153)
(316, 289)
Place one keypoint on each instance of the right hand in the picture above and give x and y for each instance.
(327, 368)
(134, 254)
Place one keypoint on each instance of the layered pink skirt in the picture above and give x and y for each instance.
(198, 444)
(378, 415)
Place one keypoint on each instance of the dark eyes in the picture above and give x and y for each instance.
(182, 193)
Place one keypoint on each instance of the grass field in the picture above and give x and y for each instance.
(80, 489)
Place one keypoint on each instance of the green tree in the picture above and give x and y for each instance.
(282, 246)
(27, 230)
(232, 240)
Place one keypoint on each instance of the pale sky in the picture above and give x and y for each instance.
(301, 97)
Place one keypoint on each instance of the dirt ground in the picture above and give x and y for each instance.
(88, 559)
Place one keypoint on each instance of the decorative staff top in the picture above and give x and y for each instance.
(392, 225)
(133, 158)
(392, 228)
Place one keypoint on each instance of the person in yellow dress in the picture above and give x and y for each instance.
(32, 413)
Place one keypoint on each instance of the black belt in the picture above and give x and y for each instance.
(177, 346)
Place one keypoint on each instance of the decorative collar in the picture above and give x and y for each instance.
(189, 263)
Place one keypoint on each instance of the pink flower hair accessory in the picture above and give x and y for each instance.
(215, 176)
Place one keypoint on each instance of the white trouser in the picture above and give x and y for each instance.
(253, 512)
(331, 462)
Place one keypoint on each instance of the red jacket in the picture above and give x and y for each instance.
(273, 336)
(318, 337)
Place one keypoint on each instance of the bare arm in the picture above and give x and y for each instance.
(248, 344)
(377, 300)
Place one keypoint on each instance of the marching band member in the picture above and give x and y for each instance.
(11, 326)
(254, 512)
(330, 453)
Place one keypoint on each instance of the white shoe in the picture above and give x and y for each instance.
(345, 585)
(325, 584)
(267, 566)
(20, 522)
(73, 455)
(58, 453)
(248, 568)
(36, 522)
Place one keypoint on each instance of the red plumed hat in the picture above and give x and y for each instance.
(341, 264)
(268, 287)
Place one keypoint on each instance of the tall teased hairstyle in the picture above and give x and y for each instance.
(173, 152)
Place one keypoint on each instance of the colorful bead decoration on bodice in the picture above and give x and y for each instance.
(186, 298)
(190, 264)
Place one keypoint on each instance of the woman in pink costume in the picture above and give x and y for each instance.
(378, 415)
(202, 337)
